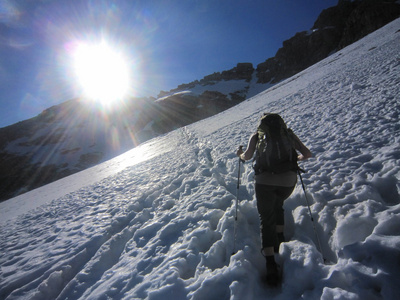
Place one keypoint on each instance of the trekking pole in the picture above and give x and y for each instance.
(312, 219)
(236, 208)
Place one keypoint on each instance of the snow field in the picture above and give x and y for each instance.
(161, 227)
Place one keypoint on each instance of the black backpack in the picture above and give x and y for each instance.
(275, 150)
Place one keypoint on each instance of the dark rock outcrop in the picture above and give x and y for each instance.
(367, 17)
(335, 28)
(241, 71)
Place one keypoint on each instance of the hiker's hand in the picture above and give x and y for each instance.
(301, 157)
(239, 151)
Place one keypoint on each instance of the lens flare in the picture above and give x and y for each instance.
(102, 72)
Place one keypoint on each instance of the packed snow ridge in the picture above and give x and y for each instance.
(157, 222)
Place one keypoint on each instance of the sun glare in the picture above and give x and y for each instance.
(102, 72)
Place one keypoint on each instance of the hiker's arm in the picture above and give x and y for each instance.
(251, 147)
(305, 152)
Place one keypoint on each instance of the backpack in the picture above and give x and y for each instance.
(275, 149)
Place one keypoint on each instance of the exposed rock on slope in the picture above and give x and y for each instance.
(335, 28)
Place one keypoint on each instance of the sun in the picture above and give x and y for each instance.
(102, 72)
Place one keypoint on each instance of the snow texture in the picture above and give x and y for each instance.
(158, 221)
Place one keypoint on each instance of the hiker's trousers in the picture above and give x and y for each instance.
(270, 208)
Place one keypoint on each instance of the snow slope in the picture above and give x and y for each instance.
(157, 222)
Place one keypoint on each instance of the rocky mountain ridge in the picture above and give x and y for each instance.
(75, 135)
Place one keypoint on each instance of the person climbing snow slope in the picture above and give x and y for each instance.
(275, 178)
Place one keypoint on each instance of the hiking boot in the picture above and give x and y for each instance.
(272, 272)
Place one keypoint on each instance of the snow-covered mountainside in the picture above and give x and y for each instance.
(157, 222)
(72, 136)
(77, 134)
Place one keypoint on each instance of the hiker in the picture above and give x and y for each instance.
(275, 178)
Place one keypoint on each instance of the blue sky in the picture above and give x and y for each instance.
(167, 42)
